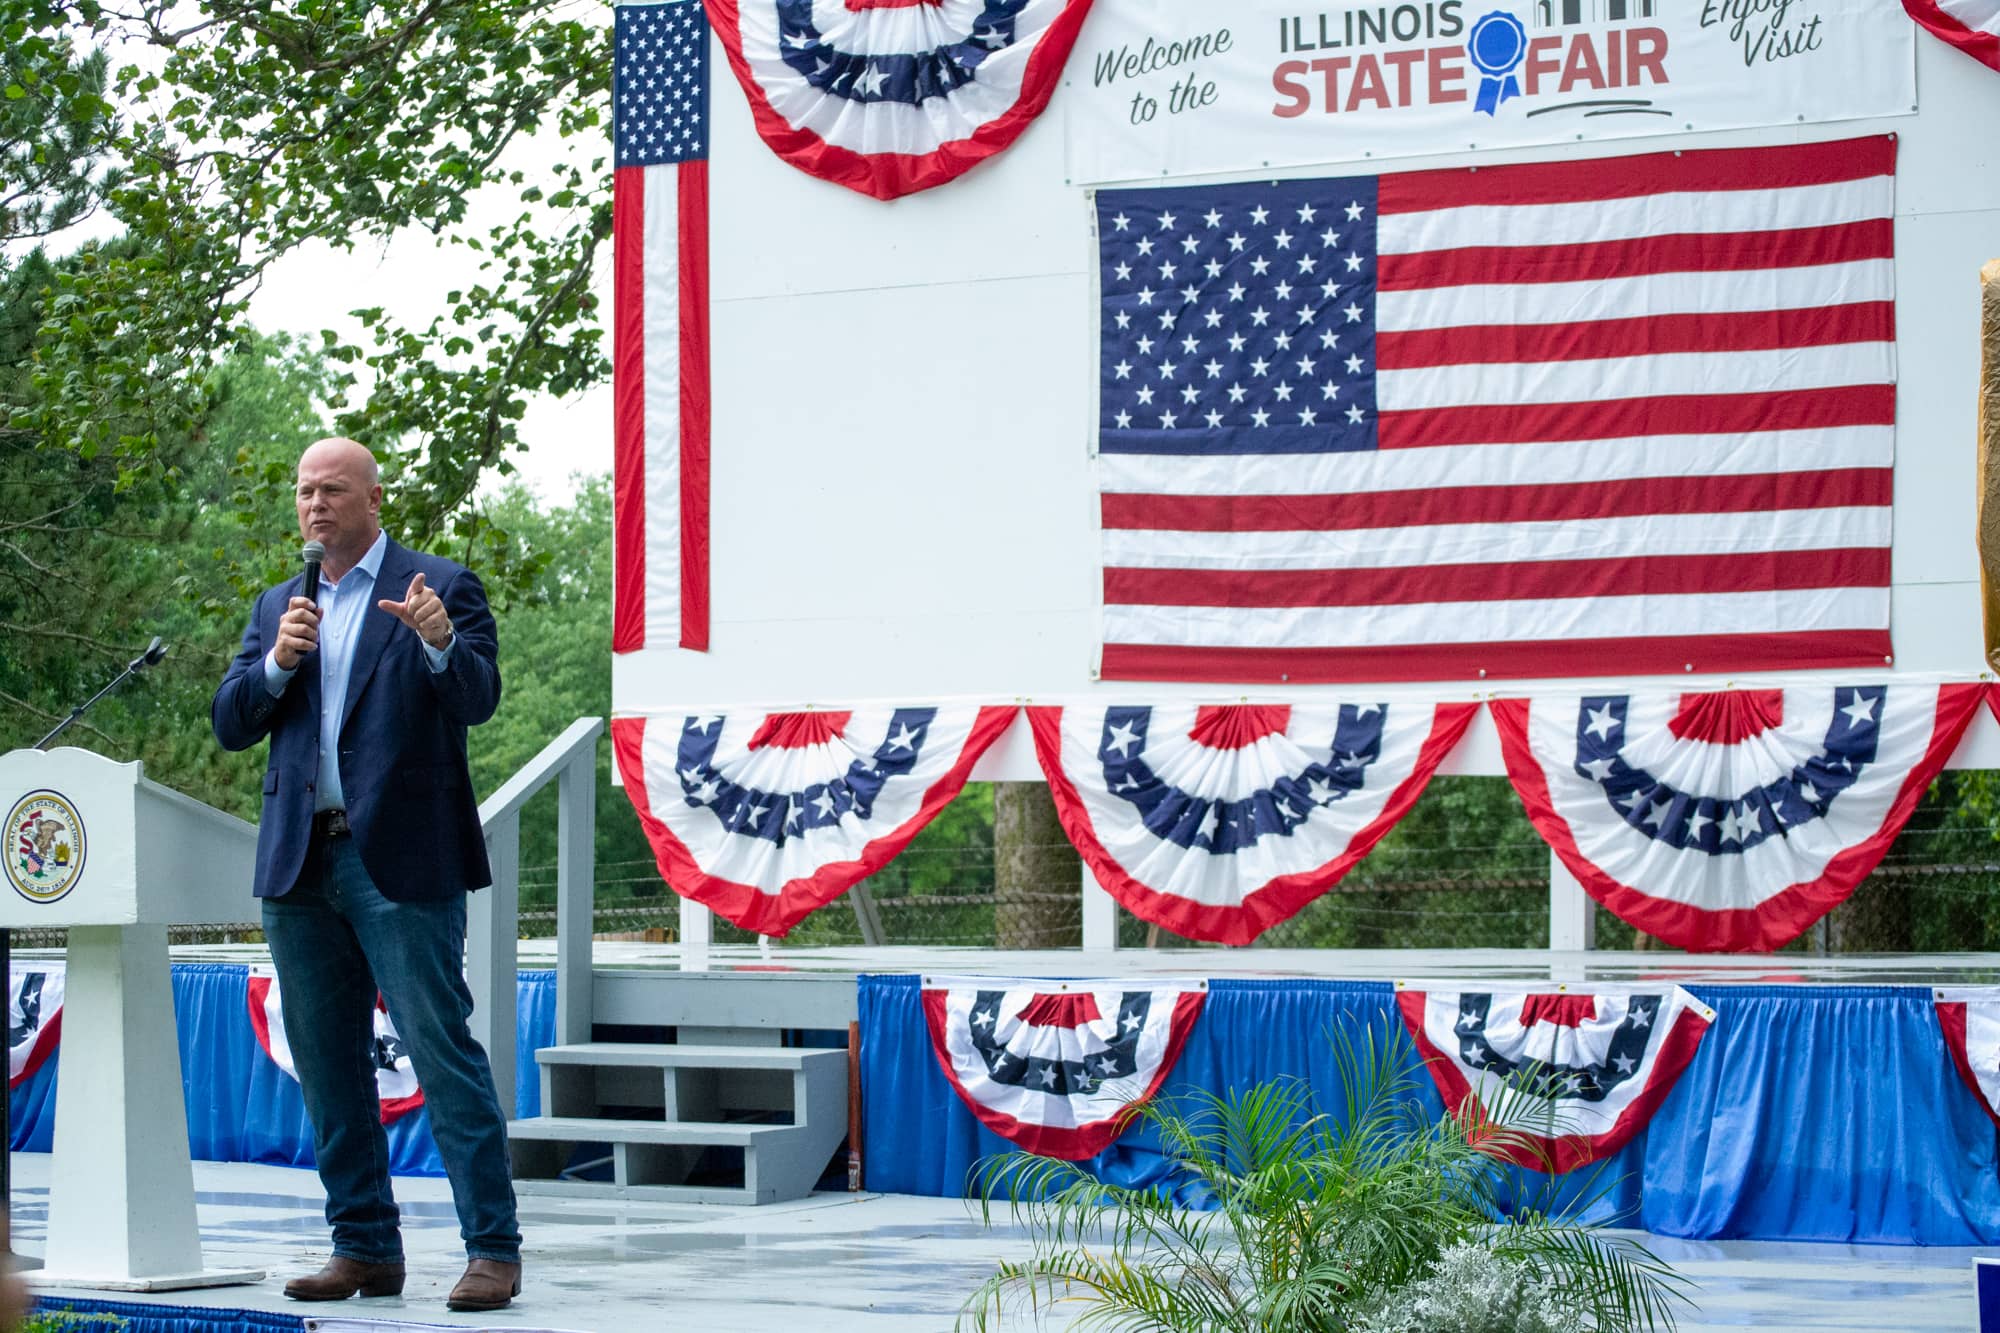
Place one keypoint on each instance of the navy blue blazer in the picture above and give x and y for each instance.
(403, 773)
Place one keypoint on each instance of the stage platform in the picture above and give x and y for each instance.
(874, 1263)
(1822, 1106)
(778, 962)
(778, 986)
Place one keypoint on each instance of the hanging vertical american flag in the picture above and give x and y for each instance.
(659, 97)
(1615, 416)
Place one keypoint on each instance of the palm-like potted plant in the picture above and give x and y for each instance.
(1378, 1220)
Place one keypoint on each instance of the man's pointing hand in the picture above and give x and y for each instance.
(423, 611)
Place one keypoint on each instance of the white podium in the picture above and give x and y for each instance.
(91, 845)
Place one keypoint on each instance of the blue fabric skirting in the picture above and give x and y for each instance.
(241, 1107)
(1810, 1112)
(142, 1318)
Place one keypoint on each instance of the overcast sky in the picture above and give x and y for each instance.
(314, 288)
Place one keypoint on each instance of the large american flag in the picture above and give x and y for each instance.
(1572, 418)
(659, 108)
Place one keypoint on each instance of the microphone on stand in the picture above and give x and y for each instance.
(155, 650)
(312, 553)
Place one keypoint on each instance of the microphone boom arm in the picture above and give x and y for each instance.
(154, 652)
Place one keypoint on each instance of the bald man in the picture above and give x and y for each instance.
(369, 842)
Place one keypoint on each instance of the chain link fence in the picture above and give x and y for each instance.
(1465, 870)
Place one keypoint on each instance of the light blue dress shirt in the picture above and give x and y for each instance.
(342, 607)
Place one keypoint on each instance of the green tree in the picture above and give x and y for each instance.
(96, 567)
(555, 666)
(253, 130)
(54, 124)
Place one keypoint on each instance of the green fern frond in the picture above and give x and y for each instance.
(1313, 1219)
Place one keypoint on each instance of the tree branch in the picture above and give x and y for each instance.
(29, 560)
(110, 649)
(40, 521)
(27, 707)
(579, 276)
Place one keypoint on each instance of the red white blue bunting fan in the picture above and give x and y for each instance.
(893, 96)
(1052, 1066)
(1969, 1016)
(766, 817)
(34, 1018)
(1576, 1074)
(1732, 820)
(1219, 822)
(1973, 26)
(395, 1079)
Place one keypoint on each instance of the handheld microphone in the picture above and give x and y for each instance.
(312, 554)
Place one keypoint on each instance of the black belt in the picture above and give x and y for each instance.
(330, 824)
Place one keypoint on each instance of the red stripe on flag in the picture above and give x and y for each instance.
(1835, 488)
(1590, 180)
(1620, 418)
(1649, 335)
(628, 374)
(693, 247)
(1467, 661)
(1638, 257)
(1517, 581)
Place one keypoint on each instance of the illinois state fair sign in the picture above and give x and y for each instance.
(1171, 87)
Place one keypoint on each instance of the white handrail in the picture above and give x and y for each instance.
(492, 927)
(536, 773)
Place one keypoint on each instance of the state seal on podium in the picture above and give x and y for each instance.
(45, 846)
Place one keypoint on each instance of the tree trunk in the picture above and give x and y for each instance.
(1037, 875)
(1988, 439)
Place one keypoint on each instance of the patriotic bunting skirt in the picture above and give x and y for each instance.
(395, 1077)
(1969, 1017)
(1728, 821)
(766, 817)
(1219, 822)
(1052, 1066)
(34, 1018)
(1572, 1075)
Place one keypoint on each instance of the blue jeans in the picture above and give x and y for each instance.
(335, 941)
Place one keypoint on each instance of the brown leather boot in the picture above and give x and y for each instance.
(343, 1277)
(488, 1284)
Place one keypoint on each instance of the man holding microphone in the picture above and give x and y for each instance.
(369, 841)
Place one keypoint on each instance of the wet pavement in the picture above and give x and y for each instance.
(835, 1262)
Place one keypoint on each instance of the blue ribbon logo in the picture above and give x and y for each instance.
(1495, 46)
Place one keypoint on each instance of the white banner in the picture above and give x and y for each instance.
(1177, 87)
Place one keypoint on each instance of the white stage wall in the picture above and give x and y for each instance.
(903, 504)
